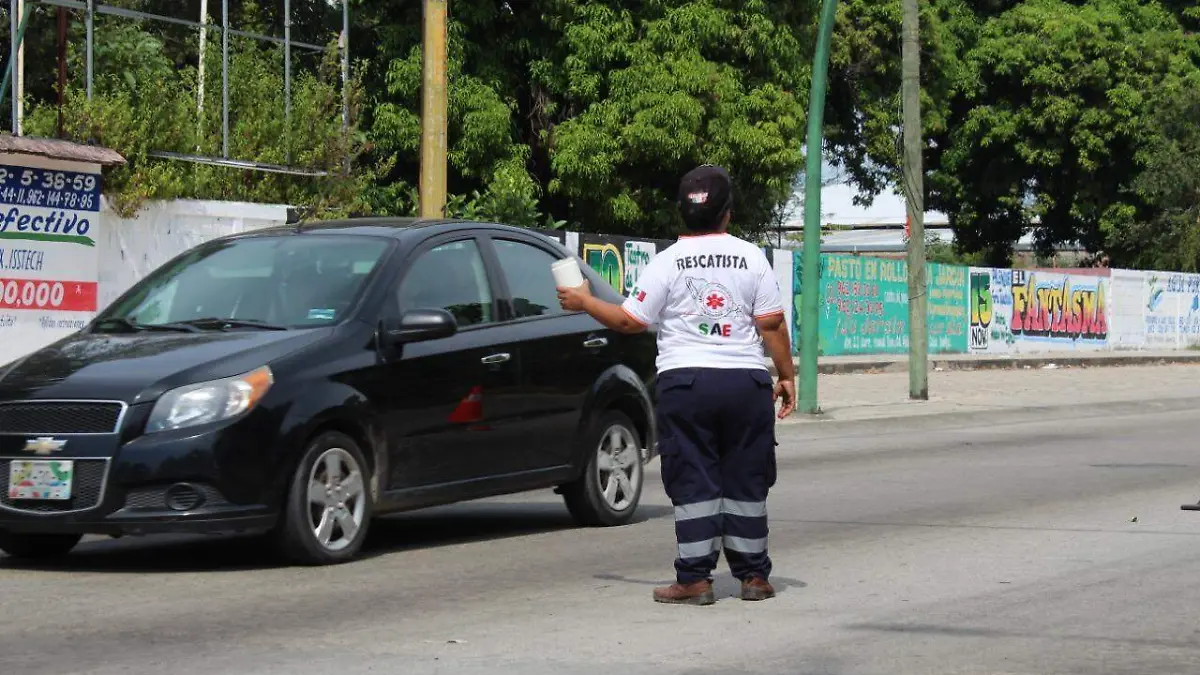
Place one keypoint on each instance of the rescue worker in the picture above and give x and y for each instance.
(716, 304)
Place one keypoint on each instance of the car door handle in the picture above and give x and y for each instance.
(496, 359)
(596, 342)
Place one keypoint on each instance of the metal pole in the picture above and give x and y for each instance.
(287, 79)
(13, 27)
(62, 66)
(14, 24)
(914, 188)
(89, 43)
(19, 78)
(346, 82)
(346, 64)
(810, 283)
(225, 78)
(433, 112)
(10, 69)
(200, 73)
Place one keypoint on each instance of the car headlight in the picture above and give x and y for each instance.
(209, 401)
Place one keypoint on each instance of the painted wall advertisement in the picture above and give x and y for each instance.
(864, 306)
(619, 260)
(991, 302)
(1037, 310)
(49, 217)
(1171, 309)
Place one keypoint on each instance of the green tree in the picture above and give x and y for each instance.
(595, 109)
(1165, 234)
(145, 101)
(1050, 118)
(864, 127)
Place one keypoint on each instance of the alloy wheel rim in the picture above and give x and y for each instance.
(618, 467)
(336, 499)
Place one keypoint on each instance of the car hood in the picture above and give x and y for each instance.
(140, 366)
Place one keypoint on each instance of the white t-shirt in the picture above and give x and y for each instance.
(704, 293)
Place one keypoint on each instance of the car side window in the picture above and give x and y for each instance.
(530, 281)
(452, 277)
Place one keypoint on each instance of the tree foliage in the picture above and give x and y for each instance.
(1051, 122)
(146, 96)
(1069, 118)
(1166, 233)
(592, 110)
(1039, 115)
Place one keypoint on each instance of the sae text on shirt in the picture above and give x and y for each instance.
(704, 294)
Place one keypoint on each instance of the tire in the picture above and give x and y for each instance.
(314, 532)
(601, 498)
(37, 546)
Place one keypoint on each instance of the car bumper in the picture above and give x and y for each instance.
(215, 480)
(146, 524)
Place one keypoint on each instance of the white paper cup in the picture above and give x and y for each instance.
(567, 273)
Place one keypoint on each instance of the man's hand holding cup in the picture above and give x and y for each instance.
(573, 289)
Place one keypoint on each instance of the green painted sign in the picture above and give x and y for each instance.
(949, 309)
(864, 306)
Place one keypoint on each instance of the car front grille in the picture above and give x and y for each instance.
(60, 417)
(86, 492)
(155, 498)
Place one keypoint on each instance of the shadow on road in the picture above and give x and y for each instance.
(431, 528)
(724, 585)
(451, 525)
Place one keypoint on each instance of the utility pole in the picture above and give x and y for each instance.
(433, 111)
(810, 281)
(914, 192)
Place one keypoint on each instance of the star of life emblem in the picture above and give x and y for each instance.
(711, 299)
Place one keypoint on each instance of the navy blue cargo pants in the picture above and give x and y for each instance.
(717, 445)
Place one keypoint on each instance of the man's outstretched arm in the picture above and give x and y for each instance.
(614, 317)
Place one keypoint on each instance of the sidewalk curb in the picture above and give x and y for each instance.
(829, 423)
(899, 365)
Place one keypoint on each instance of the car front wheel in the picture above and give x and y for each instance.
(37, 546)
(608, 492)
(328, 506)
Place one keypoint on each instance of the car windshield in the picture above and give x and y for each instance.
(266, 282)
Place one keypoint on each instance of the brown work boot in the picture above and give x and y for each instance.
(757, 589)
(696, 593)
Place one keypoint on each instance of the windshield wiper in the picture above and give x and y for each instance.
(137, 327)
(219, 323)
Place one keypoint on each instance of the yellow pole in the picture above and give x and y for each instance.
(433, 112)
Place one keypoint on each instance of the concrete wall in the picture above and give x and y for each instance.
(60, 281)
(129, 249)
(863, 298)
(863, 305)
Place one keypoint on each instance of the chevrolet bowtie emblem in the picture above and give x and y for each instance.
(44, 445)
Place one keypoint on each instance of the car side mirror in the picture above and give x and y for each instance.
(419, 325)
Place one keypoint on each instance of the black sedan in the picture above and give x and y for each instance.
(296, 381)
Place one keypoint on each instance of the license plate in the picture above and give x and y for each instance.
(43, 480)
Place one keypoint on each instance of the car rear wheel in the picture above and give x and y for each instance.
(37, 546)
(610, 488)
(328, 507)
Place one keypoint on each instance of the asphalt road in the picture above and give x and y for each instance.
(988, 544)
